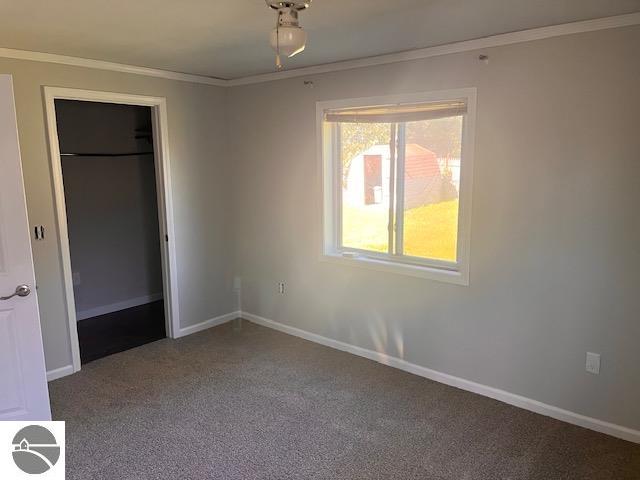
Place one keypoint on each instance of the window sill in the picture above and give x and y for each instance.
(420, 271)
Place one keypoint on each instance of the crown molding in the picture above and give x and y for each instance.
(457, 47)
(111, 66)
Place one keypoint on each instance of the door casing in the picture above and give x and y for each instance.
(165, 204)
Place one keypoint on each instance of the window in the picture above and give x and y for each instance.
(397, 180)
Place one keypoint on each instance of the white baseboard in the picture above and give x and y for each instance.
(116, 307)
(59, 372)
(227, 317)
(511, 398)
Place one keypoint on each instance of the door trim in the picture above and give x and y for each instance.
(165, 203)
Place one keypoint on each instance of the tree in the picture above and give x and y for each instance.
(442, 136)
(356, 138)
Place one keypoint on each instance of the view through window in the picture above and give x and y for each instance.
(400, 179)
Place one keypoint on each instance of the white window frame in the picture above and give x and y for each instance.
(451, 272)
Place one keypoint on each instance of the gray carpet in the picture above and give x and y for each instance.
(259, 404)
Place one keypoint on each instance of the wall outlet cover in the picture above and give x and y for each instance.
(593, 363)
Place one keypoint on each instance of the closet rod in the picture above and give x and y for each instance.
(104, 154)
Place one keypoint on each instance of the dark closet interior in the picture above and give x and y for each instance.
(109, 176)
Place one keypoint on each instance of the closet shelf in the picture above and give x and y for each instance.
(105, 154)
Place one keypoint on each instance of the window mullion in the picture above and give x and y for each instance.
(339, 169)
(392, 185)
(400, 175)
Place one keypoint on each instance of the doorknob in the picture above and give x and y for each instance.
(21, 291)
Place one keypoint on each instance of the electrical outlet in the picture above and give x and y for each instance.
(593, 363)
(76, 279)
(281, 287)
(237, 283)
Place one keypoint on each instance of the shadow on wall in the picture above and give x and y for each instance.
(384, 336)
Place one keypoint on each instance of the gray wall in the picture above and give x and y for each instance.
(555, 223)
(112, 207)
(200, 185)
(555, 229)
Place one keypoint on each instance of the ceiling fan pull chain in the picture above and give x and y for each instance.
(278, 62)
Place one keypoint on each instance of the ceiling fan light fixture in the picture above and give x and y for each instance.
(288, 38)
(295, 4)
(288, 41)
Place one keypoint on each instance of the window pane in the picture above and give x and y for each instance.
(431, 188)
(364, 151)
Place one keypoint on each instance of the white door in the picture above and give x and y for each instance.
(23, 381)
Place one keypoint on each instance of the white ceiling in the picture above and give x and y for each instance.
(229, 39)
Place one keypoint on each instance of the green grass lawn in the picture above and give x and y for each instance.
(430, 231)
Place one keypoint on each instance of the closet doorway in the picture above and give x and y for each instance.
(111, 179)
